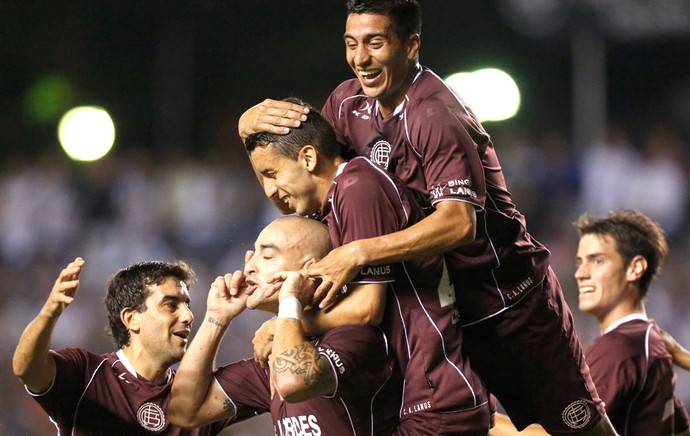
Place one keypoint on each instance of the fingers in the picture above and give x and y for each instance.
(234, 282)
(331, 298)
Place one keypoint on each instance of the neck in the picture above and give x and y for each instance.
(386, 107)
(327, 173)
(146, 366)
(620, 311)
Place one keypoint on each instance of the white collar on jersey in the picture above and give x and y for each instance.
(341, 167)
(129, 367)
(627, 318)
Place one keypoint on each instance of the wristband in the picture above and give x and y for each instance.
(290, 307)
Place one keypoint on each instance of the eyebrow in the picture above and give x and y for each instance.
(268, 247)
(367, 36)
(174, 298)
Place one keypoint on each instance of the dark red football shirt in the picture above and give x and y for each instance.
(421, 319)
(363, 367)
(634, 376)
(440, 150)
(102, 394)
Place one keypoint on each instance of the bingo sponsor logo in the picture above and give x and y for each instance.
(381, 153)
(577, 414)
(151, 417)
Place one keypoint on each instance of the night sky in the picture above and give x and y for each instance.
(176, 75)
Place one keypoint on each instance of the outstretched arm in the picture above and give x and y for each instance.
(450, 226)
(32, 361)
(680, 355)
(196, 400)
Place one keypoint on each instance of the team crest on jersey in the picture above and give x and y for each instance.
(577, 414)
(380, 153)
(151, 417)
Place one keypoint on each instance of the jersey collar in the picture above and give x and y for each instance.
(627, 318)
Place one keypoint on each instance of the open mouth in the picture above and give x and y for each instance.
(369, 75)
(184, 334)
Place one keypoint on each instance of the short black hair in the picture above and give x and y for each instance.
(634, 234)
(130, 287)
(405, 15)
(316, 131)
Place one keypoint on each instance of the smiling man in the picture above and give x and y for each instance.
(124, 392)
(617, 258)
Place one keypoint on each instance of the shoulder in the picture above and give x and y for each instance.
(627, 341)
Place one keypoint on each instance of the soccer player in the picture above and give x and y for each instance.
(617, 258)
(337, 384)
(413, 301)
(406, 120)
(120, 393)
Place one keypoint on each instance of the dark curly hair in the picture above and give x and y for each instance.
(634, 234)
(130, 287)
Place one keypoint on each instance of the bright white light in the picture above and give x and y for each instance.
(492, 94)
(86, 133)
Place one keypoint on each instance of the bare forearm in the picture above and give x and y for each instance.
(299, 371)
(362, 305)
(194, 376)
(450, 226)
(32, 362)
(681, 357)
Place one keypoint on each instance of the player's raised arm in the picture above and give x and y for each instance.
(32, 362)
(196, 400)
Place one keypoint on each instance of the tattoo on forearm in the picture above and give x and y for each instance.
(304, 360)
(214, 321)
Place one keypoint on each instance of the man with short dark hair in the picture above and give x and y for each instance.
(413, 301)
(125, 392)
(617, 258)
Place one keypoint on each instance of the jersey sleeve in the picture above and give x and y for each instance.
(360, 359)
(369, 204)
(247, 385)
(71, 371)
(449, 152)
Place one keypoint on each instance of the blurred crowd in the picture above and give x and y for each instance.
(138, 205)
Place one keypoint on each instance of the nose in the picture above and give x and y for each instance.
(361, 56)
(270, 188)
(186, 316)
(250, 266)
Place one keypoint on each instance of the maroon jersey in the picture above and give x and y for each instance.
(440, 150)
(421, 319)
(363, 368)
(103, 395)
(634, 375)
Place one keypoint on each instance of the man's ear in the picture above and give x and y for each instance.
(636, 268)
(413, 45)
(130, 318)
(309, 157)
